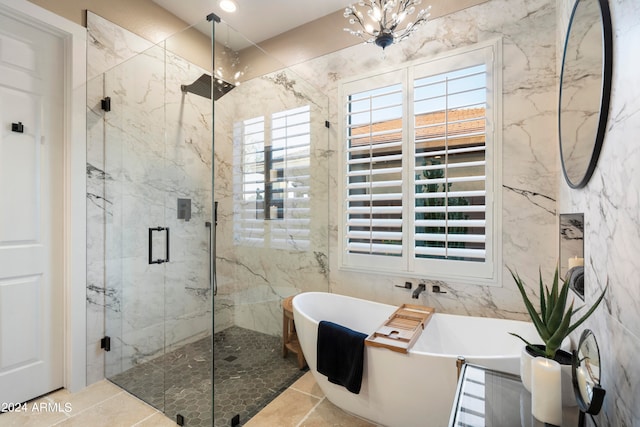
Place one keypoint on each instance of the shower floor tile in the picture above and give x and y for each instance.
(248, 373)
(178, 382)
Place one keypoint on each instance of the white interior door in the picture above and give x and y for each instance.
(31, 211)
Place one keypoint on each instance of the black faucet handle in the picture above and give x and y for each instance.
(436, 290)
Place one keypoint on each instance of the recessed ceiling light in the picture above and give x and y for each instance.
(228, 6)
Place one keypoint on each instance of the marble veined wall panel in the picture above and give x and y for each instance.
(152, 148)
(529, 157)
(610, 203)
(253, 277)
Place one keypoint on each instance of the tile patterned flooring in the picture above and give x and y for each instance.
(249, 372)
(178, 382)
(251, 378)
(304, 405)
(102, 404)
(106, 405)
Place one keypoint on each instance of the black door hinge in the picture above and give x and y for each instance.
(327, 124)
(106, 343)
(106, 103)
(180, 420)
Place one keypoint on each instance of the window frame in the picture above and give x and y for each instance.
(485, 273)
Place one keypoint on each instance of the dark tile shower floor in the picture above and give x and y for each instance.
(177, 383)
(249, 372)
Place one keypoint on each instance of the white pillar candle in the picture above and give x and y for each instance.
(575, 262)
(546, 391)
(273, 212)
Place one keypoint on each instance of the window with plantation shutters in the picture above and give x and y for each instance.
(374, 171)
(420, 168)
(272, 160)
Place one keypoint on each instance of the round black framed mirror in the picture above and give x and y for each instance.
(585, 89)
(586, 375)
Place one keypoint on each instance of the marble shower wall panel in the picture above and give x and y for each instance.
(188, 154)
(152, 148)
(529, 176)
(108, 46)
(255, 278)
(134, 158)
(610, 203)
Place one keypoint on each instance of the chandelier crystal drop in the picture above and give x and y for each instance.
(383, 19)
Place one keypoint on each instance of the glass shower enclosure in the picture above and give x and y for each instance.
(152, 141)
(208, 161)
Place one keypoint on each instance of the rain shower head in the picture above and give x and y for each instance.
(202, 87)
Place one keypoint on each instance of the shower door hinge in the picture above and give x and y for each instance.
(105, 103)
(327, 124)
(106, 343)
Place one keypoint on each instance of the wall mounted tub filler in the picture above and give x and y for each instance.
(421, 288)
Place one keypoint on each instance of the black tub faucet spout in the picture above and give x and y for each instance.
(421, 288)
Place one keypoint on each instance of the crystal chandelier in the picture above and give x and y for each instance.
(384, 17)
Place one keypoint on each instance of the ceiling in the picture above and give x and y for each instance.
(256, 20)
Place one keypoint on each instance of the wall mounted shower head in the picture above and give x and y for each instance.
(202, 87)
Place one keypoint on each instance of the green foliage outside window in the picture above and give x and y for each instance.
(434, 174)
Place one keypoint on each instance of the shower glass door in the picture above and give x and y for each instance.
(271, 186)
(156, 142)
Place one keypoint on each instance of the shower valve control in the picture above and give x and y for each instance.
(184, 209)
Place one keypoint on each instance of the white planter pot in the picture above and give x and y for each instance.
(568, 395)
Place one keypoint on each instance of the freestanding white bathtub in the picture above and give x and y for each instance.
(413, 389)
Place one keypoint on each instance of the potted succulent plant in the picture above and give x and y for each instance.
(553, 324)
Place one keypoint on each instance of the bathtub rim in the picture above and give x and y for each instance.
(435, 314)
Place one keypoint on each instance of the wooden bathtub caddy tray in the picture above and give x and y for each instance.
(401, 330)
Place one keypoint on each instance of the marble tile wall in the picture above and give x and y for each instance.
(152, 148)
(610, 203)
(254, 277)
(529, 174)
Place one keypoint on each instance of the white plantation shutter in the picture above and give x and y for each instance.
(272, 161)
(420, 160)
(249, 181)
(374, 171)
(450, 164)
(291, 161)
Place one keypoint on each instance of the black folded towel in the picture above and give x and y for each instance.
(340, 354)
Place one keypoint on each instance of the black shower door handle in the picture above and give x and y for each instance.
(166, 241)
